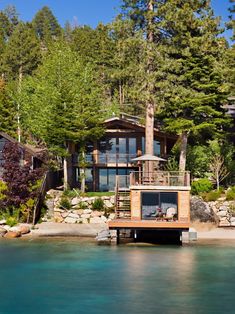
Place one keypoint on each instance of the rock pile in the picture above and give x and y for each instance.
(221, 211)
(225, 211)
(81, 211)
(13, 232)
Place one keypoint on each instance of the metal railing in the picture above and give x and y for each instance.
(105, 158)
(160, 178)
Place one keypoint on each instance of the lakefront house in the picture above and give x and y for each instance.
(113, 154)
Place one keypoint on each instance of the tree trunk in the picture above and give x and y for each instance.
(183, 151)
(149, 123)
(65, 166)
(18, 105)
(82, 171)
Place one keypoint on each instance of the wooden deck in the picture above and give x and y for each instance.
(146, 224)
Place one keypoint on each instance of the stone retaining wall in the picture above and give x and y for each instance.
(221, 212)
(77, 214)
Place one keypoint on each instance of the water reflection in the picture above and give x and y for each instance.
(68, 276)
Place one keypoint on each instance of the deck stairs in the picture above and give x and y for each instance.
(123, 203)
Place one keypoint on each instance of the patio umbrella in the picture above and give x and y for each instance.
(148, 157)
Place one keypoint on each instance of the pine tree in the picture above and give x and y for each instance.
(195, 87)
(22, 53)
(46, 25)
(61, 102)
(7, 109)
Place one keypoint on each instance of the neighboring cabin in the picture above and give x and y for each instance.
(30, 155)
(112, 155)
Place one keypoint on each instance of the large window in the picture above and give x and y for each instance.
(159, 205)
(117, 150)
(156, 147)
(107, 178)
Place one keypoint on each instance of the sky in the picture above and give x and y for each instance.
(90, 12)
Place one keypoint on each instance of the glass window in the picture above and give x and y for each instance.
(122, 150)
(132, 147)
(143, 145)
(112, 154)
(157, 148)
(103, 180)
(102, 151)
(111, 179)
(159, 205)
(150, 205)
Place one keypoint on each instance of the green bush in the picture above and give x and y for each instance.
(65, 203)
(201, 186)
(98, 204)
(82, 205)
(230, 195)
(11, 221)
(211, 196)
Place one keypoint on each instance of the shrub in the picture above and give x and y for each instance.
(211, 196)
(201, 186)
(98, 204)
(230, 195)
(82, 205)
(65, 203)
(11, 221)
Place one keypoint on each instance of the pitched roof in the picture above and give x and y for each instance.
(29, 148)
(130, 123)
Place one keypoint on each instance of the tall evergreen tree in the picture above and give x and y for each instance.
(46, 25)
(62, 102)
(22, 53)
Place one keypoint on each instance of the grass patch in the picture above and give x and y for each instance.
(99, 194)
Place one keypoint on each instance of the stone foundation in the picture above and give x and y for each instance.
(81, 211)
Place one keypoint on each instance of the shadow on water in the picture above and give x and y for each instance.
(156, 237)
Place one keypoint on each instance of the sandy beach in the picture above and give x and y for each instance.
(49, 229)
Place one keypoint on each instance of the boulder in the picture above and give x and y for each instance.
(59, 219)
(222, 213)
(12, 234)
(96, 213)
(70, 220)
(85, 221)
(3, 231)
(75, 201)
(223, 208)
(87, 211)
(201, 211)
(72, 215)
(232, 223)
(232, 219)
(86, 216)
(108, 204)
(64, 214)
(24, 229)
(112, 216)
(78, 211)
(103, 218)
(3, 222)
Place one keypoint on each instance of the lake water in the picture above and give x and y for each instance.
(76, 276)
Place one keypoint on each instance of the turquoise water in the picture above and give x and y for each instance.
(73, 276)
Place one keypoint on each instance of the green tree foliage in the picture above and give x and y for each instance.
(195, 87)
(7, 109)
(62, 100)
(22, 53)
(46, 25)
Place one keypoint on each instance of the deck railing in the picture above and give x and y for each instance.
(160, 178)
(105, 158)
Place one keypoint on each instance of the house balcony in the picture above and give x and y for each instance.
(106, 159)
(169, 179)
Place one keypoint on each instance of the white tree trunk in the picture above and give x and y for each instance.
(183, 151)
